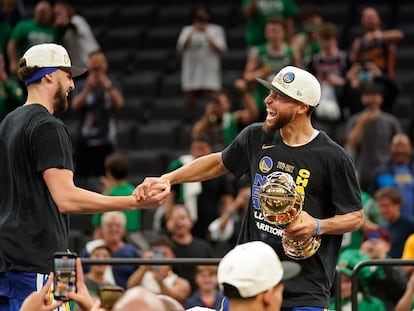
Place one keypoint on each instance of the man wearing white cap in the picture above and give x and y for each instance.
(36, 177)
(250, 276)
(322, 172)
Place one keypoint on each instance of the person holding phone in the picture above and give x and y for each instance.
(37, 191)
(64, 271)
(160, 279)
(40, 300)
(200, 45)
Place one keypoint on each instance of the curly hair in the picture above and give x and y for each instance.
(24, 72)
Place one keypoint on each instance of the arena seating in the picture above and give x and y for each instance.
(140, 41)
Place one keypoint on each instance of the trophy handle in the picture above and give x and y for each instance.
(281, 206)
(301, 249)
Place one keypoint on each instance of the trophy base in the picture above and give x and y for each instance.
(299, 250)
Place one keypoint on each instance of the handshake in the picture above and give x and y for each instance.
(152, 192)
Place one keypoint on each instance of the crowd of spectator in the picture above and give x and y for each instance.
(357, 109)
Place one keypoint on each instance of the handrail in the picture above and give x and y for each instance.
(337, 290)
(147, 261)
(372, 262)
(215, 261)
(186, 261)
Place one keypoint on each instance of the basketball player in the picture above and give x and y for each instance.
(36, 178)
(323, 173)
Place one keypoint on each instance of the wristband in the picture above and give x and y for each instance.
(318, 228)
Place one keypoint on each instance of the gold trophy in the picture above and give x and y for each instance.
(281, 206)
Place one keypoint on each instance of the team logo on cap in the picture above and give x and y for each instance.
(66, 59)
(265, 164)
(288, 77)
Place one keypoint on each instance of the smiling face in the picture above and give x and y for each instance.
(113, 230)
(179, 222)
(64, 86)
(281, 110)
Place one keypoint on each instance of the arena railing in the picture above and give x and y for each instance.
(189, 262)
(215, 261)
(372, 262)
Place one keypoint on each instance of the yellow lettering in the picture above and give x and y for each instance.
(300, 189)
(304, 173)
(302, 181)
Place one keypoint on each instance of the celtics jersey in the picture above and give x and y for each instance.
(266, 58)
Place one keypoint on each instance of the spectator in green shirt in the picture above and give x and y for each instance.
(372, 218)
(346, 263)
(115, 183)
(11, 95)
(31, 31)
(257, 12)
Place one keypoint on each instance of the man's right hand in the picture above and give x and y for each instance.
(152, 192)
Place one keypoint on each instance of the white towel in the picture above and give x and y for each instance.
(190, 190)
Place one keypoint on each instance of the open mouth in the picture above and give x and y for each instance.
(271, 115)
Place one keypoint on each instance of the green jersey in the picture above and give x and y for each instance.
(133, 217)
(273, 61)
(265, 9)
(354, 239)
(11, 97)
(28, 33)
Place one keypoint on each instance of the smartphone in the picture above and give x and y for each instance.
(64, 269)
(158, 254)
(109, 295)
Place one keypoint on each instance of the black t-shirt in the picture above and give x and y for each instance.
(324, 173)
(31, 226)
(97, 112)
(208, 202)
(198, 248)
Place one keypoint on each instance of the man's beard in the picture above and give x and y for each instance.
(60, 100)
(281, 121)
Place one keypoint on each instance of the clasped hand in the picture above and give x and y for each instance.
(152, 191)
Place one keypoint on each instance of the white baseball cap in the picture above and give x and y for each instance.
(51, 55)
(297, 84)
(253, 268)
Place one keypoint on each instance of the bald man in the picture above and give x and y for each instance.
(139, 296)
(170, 303)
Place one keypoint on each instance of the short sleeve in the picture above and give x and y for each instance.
(52, 146)
(235, 156)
